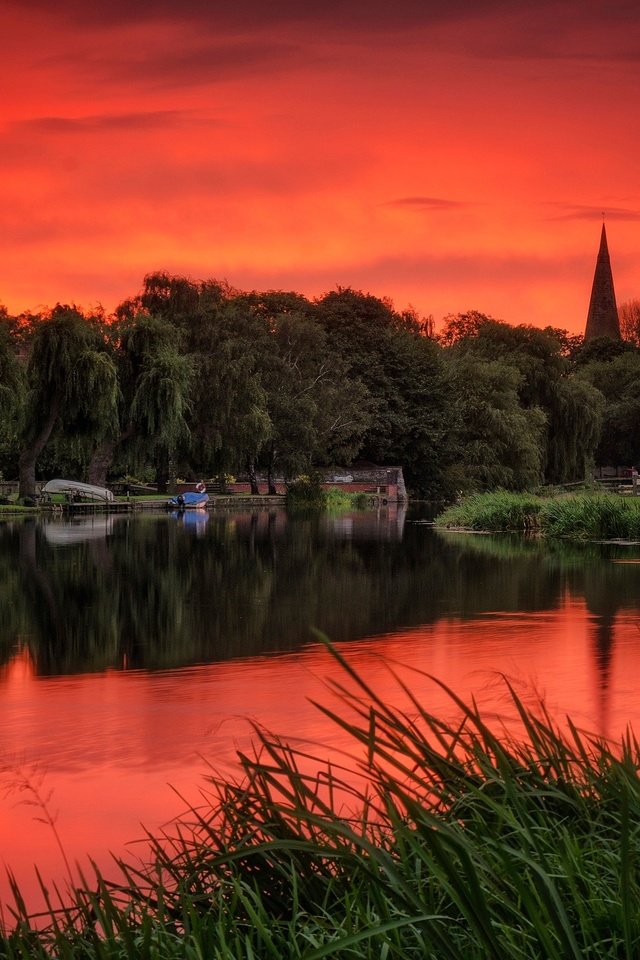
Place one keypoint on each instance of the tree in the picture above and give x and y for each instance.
(231, 422)
(547, 383)
(12, 389)
(629, 314)
(617, 381)
(461, 326)
(601, 349)
(72, 387)
(574, 427)
(318, 414)
(155, 381)
(495, 441)
(402, 372)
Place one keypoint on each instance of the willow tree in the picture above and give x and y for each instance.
(12, 388)
(617, 380)
(155, 385)
(72, 386)
(572, 409)
(493, 441)
(231, 418)
(574, 430)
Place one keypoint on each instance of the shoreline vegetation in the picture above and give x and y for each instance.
(304, 496)
(458, 840)
(578, 516)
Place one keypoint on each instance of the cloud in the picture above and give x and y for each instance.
(109, 123)
(386, 272)
(585, 212)
(557, 29)
(191, 63)
(422, 204)
(360, 15)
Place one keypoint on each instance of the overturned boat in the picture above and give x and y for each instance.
(82, 490)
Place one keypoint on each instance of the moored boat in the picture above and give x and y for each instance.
(189, 501)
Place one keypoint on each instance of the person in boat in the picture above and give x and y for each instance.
(201, 487)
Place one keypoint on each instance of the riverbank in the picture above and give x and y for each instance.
(456, 840)
(583, 516)
(336, 500)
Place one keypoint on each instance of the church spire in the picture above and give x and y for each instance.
(602, 319)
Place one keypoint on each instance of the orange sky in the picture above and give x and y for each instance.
(451, 156)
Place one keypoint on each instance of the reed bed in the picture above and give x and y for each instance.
(339, 500)
(607, 517)
(497, 511)
(577, 516)
(461, 841)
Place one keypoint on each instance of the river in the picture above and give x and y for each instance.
(136, 651)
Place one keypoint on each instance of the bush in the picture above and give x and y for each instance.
(306, 493)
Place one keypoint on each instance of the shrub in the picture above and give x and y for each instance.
(306, 493)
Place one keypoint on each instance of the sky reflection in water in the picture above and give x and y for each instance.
(134, 651)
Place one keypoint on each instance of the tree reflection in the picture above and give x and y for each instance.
(154, 591)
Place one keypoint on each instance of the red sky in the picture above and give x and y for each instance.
(451, 156)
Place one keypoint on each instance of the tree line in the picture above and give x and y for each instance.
(197, 378)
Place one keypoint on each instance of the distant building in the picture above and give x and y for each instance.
(602, 319)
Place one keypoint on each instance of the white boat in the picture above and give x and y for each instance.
(63, 534)
(86, 490)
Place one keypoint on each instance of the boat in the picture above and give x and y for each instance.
(189, 501)
(84, 491)
(193, 520)
(63, 534)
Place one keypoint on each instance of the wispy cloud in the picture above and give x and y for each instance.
(555, 29)
(359, 14)
(120, 122)
(423, 204)
(586, 212)
(186, 59)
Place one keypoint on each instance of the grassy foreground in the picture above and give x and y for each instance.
(578, 516)
(462, 843)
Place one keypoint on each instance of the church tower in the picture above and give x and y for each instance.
(602, 319)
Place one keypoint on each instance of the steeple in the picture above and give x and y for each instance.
(602, 319)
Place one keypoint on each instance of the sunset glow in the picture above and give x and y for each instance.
(451, 157)
(110, 750)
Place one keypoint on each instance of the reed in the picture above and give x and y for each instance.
(577, 516)
(496, 511)
(339, 500)
(607, 517)
(458, 841)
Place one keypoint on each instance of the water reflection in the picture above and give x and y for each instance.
(131, 647)
(164, 591)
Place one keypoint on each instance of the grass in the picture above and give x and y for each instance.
(307, 493)
(337, 500)
(497, 511)
(458, 841)
(576, 516)
(600, 517)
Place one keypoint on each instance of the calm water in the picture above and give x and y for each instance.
(134, 651)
